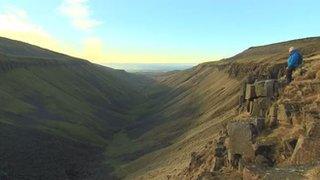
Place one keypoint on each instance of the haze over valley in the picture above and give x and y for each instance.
(150, 68)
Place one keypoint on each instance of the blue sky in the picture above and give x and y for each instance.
(162, 31)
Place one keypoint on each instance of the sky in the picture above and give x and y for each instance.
(157, 31)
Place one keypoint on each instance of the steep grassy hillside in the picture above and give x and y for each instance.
(58, 114)
(18, 48)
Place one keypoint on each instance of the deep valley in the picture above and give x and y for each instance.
(66, 118)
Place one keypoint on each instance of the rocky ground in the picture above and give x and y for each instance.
(275, 136)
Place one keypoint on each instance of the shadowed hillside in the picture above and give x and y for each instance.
(58, 113)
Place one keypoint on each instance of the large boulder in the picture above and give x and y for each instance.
(255, 108)
(259, 107)
(250, 92)
(265, 88)
(270, 88)
(260, 89)
(240, 142)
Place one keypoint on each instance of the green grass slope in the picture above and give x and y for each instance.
(58, 114)
(21, 49)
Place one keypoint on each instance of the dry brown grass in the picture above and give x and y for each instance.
(216, 95)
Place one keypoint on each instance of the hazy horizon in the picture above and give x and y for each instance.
(150, 67)
(156, 31)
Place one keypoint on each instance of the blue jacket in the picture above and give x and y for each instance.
(295, 59)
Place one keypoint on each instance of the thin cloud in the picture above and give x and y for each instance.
(13, 19)
(79, 14)
(16, 24)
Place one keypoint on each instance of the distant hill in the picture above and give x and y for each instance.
(278, 51)
(150, 67)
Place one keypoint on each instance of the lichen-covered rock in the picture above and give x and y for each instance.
(240, 142)
(270, 88)
(260, 89)
(255, 109)
(259, 107)
(266, 88)
(250, 92)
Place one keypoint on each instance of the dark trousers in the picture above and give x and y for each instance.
(289, 74)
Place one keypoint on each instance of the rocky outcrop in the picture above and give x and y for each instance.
(282, 119)
(257, 98)
(278, 130)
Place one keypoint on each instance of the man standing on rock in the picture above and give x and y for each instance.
(295, 60)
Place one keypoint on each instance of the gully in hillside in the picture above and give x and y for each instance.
(294, 61)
